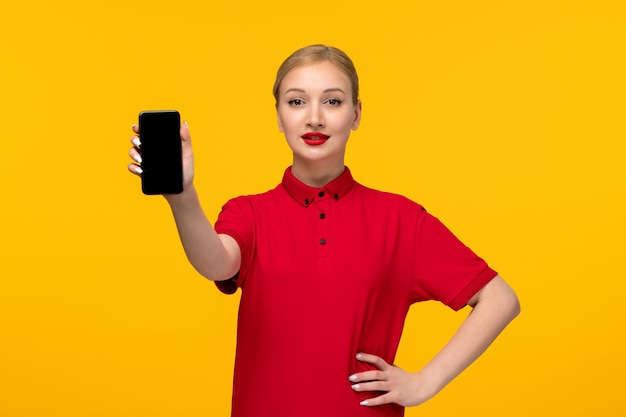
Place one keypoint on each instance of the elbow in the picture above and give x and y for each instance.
(508, 300)
(515, 307)
(219, 275)
(500, 298)
(511, 304)
(223, 270)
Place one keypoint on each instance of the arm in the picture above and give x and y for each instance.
(216, 257)
(494, 306)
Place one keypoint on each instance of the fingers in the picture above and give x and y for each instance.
(380, 386)
(377, 361)
(135, 154)
(380, 400)
(374, 380)
(373, 375)
(135, 169)
(391, 383)
(368, 376)
(371, 386)
(184, 133)
(135, 151)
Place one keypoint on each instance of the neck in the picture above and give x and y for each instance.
(317, 173)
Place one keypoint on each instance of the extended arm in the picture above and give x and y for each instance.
(216, 257)
(494, 306)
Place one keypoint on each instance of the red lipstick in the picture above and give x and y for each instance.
(314, 138)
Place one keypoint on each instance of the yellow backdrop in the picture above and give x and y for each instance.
(503, 118)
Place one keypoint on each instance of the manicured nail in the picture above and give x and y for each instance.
(352, 378)
(137, 158)
(186, 125)
(355, 387)
(136, 142)
(358, 356)
(363, 402)
(138, 170)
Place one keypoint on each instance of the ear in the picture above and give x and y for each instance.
(357, 116)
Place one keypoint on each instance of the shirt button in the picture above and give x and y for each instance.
(322, 241)
(322, 216)
(321, 194)
(306, 201)
(336, 196)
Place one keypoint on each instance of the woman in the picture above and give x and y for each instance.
(329, 268)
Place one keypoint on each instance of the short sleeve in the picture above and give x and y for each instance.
(236, 220)
(445, 269)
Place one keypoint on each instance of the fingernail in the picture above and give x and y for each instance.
(363, 402)
(355, 387)
(352, 377)
(186, 125)
(137, 158)
(358, 356)
(136, 142)
(138, 170)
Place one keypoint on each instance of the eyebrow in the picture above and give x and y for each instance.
(328, 90)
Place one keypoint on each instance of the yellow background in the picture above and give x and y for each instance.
(503, 118)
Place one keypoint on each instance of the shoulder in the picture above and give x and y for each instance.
(257, 197)
(386, 199)
(254, 200)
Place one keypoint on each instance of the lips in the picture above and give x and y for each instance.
(314, 138)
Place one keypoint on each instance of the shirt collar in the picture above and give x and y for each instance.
(305, 194)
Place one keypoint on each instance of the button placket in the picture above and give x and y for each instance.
(323, 205)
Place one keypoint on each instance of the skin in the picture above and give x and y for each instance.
(317, 98)
(493, 307)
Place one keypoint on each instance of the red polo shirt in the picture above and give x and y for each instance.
(326, 273)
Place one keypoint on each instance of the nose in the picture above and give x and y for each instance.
(315, 118)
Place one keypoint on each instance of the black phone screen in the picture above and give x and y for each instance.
(161, 152)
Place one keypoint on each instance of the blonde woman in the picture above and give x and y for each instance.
(328, 268)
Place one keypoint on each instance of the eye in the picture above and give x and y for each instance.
(334, 101)
(295, 102)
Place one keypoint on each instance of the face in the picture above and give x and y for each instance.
(316, 113)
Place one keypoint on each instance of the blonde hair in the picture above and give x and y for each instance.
(319, 53)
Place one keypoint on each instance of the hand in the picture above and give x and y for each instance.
(400, 387)
(188, 162)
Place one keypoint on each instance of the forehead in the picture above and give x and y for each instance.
(316, 75)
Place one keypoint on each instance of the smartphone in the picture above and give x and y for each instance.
(161, 152)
